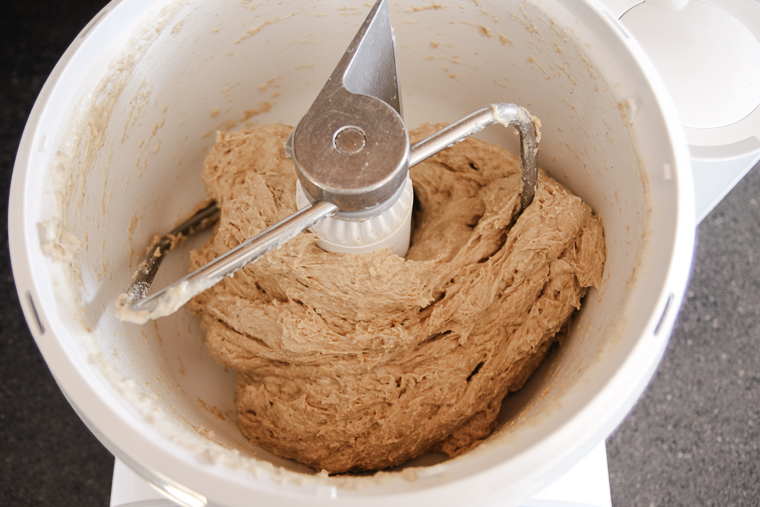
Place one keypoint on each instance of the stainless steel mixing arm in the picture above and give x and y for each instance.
(352, 156)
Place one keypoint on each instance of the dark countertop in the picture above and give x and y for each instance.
(693, 439)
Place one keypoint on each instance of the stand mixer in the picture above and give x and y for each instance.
(716, 169)
(44, 316)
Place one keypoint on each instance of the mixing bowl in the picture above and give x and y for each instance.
(112, 155)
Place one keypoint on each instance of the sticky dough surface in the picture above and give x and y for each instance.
(360, 362)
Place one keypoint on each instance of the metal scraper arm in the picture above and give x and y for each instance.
(165, 302)
(507, 115)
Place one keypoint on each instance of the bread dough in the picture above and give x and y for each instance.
(360, 362)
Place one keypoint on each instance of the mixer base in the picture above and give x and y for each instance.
(587, 484)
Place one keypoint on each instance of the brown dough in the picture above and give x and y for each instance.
(361, 362)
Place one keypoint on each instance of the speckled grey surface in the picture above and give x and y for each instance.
(692, 440)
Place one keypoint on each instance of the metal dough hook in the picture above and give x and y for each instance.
(352, 156)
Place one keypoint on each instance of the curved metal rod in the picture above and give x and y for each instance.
(171, 298)
(507, 115)
(133, 306)
(146, 272)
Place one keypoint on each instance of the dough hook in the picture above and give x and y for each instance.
(352, 156)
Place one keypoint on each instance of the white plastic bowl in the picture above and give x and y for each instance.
(112, 154)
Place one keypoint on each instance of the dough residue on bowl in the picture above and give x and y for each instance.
(360, 362)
